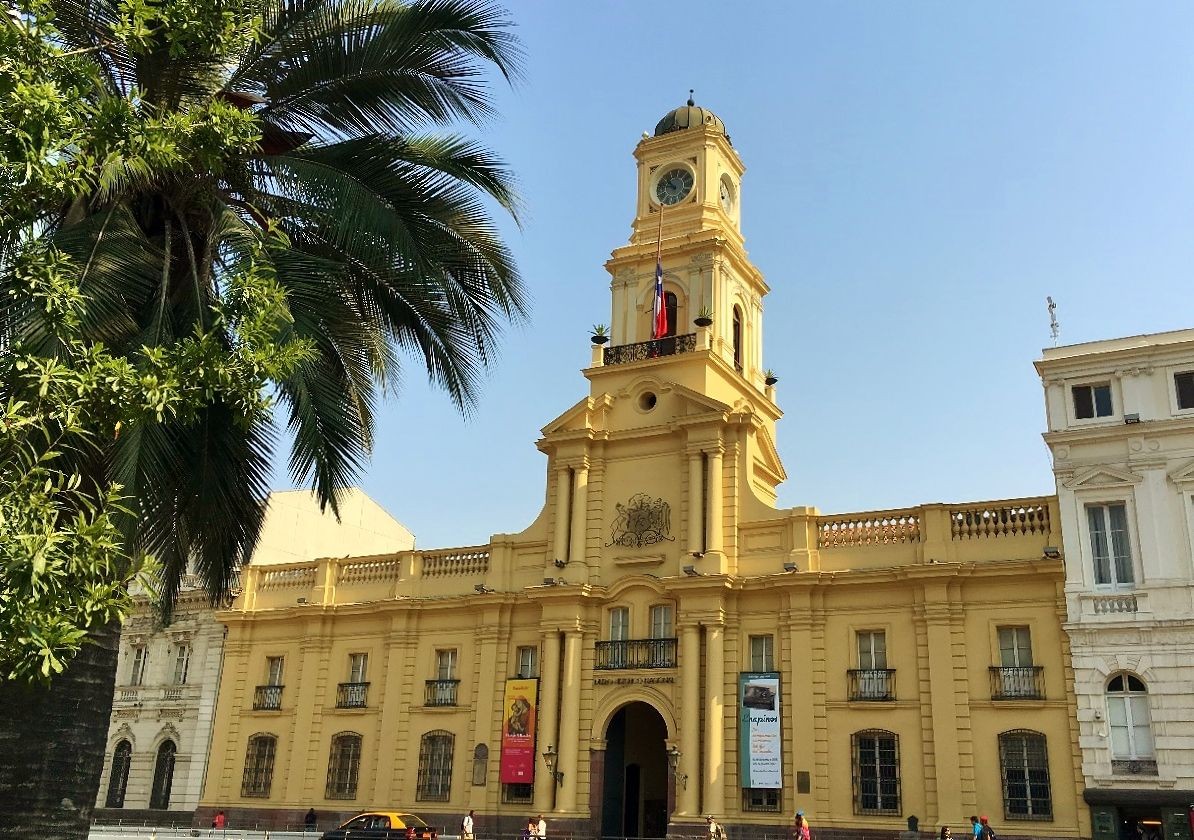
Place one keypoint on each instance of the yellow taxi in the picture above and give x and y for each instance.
(383, 825)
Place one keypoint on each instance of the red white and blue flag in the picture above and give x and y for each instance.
(659, 312)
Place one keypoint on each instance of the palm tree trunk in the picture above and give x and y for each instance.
(52, 742)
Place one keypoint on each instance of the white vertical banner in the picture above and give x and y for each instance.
(760, 735)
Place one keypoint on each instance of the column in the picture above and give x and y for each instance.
(580, 513)
(549, 710)
(569, 746)
(714, 779)
(563, 485)
(696, 498)
(690, 720)
(715, 502)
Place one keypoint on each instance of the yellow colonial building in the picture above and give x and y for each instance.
(662, 642)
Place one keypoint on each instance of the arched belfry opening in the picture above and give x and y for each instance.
(635, 784)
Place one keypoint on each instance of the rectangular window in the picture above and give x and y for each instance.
(445, 664)
(619, 624)
(259, 766)
(344, 765)
(761, 657)
(182, 663)
(274, 666)
(1092, 401)
(435, 767)
(1109, 544)
(358, 667)
(140, 665)
(1015, 647)
(528, 662)
(760, 799)
(1184, 383)
(876, 773)
(872, 650)
(518, 794)
(661, 621)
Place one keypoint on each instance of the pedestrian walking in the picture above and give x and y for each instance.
(528, 833)
(309, 820)
(976, 828)
(800, 828)
(541, 828)
(945, 833)
(985, 830)
(716, 832)
(467, 827)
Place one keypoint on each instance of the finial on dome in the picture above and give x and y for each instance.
(691, 102)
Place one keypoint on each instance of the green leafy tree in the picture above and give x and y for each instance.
(212, 208)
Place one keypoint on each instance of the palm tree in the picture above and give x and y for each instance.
(312, 135)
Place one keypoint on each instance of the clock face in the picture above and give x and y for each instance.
(673, 186)
(727, 197)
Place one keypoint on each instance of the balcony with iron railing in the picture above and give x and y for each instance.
(267, 698)
(635, 653)
(622, 354)
(441, 692)
(1017, 682)
(870, 684)
(352, 695)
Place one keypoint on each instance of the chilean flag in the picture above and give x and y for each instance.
(659, 312)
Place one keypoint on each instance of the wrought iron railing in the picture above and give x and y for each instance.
(352, 695)
(671, 345)
(268, 697)
(441, 692)
(636, 653)
(1017, 683)
(870, 683)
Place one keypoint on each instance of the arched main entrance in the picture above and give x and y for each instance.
(635, 785)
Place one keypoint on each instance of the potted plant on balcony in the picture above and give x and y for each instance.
(769, 377)
(600, 334)
(704, 317)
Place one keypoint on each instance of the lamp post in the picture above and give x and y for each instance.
(549, 758)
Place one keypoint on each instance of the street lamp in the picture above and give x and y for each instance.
(549, 758)
(673, 761)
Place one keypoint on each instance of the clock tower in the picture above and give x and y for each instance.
(678, 431)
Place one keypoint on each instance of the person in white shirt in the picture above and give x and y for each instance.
(541, 828)
(466, 827)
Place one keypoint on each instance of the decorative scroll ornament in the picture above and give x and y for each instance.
(641, 521)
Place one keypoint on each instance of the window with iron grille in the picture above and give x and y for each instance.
(344, 764)
(1024, 765)
(163, 776)
(876, 772)
(762, 657)
(435, 766)
(480, 764)
(118, 781)
(760, 799)
(518, 794)
(259, 766)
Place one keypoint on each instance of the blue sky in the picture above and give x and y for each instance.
(919, 177)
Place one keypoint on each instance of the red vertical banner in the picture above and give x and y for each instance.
(518, 732)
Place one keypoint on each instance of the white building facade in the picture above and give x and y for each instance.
(168, 677)
(1121, 432)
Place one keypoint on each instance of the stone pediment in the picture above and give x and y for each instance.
(1102, 476)
(1183, 474)
(577, 418)
(770, 455)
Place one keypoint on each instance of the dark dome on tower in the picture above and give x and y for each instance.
(689, 115)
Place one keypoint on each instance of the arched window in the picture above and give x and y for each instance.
(876, 765)
(344, 765)
(1024, 766)
(1127, 710)
(122, 757)
(259, 765)
(435, 766)
(737, 338)
(670, 308)
(480, 764)
(163, 776)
